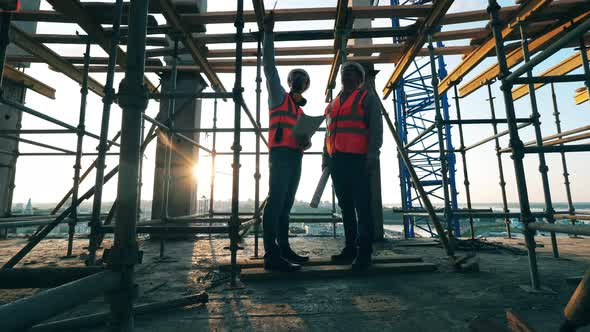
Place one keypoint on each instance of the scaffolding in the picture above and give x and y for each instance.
(114, 273)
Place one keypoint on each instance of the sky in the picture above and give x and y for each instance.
(47, 179)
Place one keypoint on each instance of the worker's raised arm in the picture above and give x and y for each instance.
(276, 92)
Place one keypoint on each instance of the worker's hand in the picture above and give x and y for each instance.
(371, 164)
(304, 142)
(269, 21)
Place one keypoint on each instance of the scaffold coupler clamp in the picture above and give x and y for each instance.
(133, 96)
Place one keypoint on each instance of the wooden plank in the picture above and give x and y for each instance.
(582, 96)
(515, 56)
(319, 261)
(84, 19)
(334, 271)
(414, 45)
(28, 81)
(194, 20)
(525, 11)
(27, 43)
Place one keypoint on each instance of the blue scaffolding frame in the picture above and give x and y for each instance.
(414, 113)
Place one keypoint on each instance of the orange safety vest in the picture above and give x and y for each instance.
(284, 116)
(347, 129)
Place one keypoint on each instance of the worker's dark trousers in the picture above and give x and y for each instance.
(351, 184)
(285, 171)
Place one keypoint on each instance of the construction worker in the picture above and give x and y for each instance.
(354, 136)
(285, 157)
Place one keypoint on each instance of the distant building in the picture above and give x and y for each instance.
(28, 208)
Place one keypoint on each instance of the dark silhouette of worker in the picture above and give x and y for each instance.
(285, 157)
(354, 136)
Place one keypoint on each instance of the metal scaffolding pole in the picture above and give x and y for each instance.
(234, 224)
(408, 231)
(566, 175)
(103, 147)
(257, 215)
(585, 65)
(169, 144)
(464, 159)
(441, 140)
(78, 163)
(515, 142)
(133, 98)
(499, 158)
(213, 155)
(539, 142)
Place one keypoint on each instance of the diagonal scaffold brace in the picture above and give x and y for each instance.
(446, 239)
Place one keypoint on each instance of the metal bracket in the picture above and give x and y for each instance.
(117, 257)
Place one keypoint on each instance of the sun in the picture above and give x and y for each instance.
(196, 171)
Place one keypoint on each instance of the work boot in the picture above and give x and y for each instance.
(292, 256)
(278, 263)
(362, 262)
(347, 255)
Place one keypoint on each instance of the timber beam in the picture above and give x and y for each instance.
(74, 8)
(30, 45)
(581, 95)
(192, 45)
(193, 21)
(29, 82)
(565, 67)
(516, 56)
(83, 39)
(72, 59)
(526, 10)
(414, 45)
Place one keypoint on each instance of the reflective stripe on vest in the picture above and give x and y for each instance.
(283, 118)
(347, 129)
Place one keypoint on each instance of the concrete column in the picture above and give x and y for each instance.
(183, 187)
(375, 179)
(10, 119)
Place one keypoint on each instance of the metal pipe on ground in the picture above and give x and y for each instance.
(24, 313)
(44, 277)
(99, 319)
(560, 228)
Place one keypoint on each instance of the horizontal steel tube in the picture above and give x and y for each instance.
(572, 216)
(166, 128)
(198, 95)
(40, 115)
(24, 313)
(173, 229)
(550, 79)
(103, 317)
(32, 223)
(422, 134)
(44, 277)
(485, 121)
(308, 153)
(36, 131)
(491, 138)
(558, 148)
(560, 135)
(560, 228)
(51, 154)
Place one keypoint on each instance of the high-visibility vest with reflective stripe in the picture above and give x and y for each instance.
(347, 129)
(284, 116)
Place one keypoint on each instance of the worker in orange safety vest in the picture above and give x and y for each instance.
(354, 135)
(285, 156)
